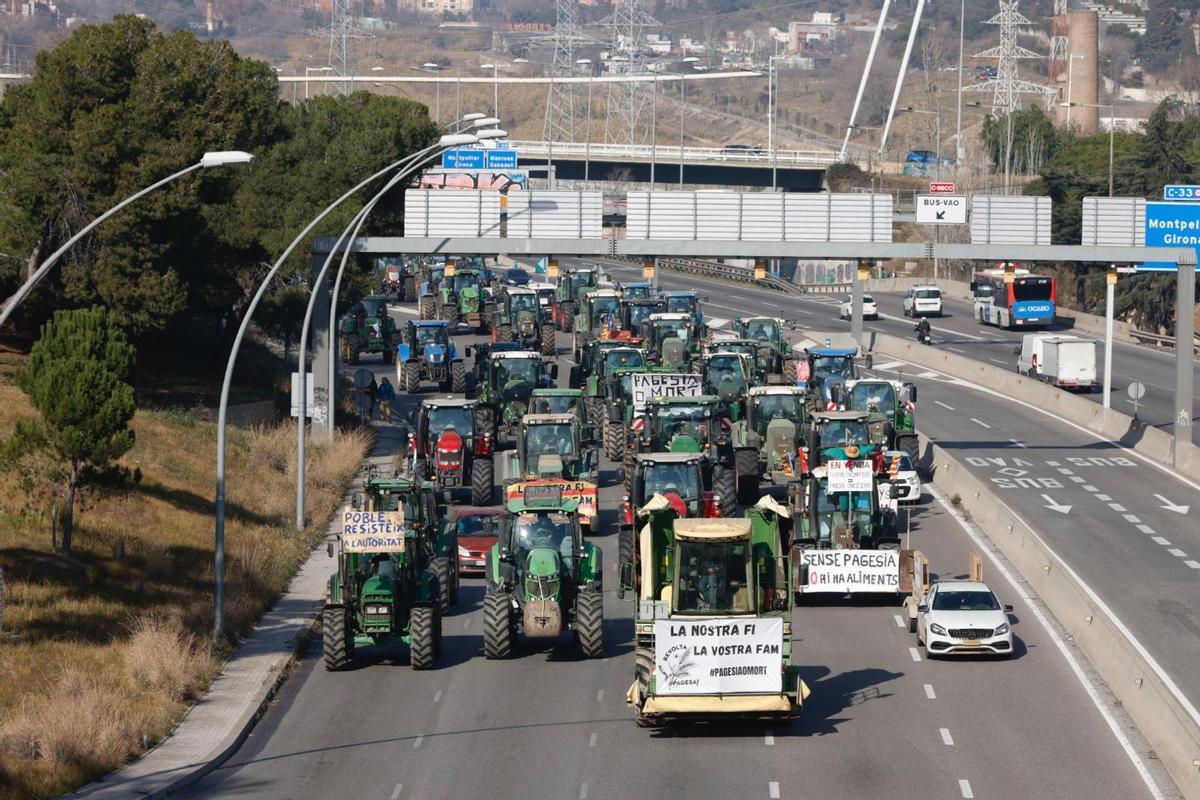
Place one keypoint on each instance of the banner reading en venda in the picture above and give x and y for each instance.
(646, 385)
(849, 571)
(373, 531)
(715, 656)
(849, 476)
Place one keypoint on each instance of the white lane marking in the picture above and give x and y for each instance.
(1114, 506)
(1192, 564)
(769, 739)
(980, 423)
(938, 402)
(437, 696)
(399, 786)
(798, 311)
(1017, 442)
(1145, 529)
(1086, 488)
(993, 360)
(947, 739)
(888, 365)
(1061, 470)
(591, 739)
(927, 375)
(599, 695)
(1103, 498)
(954, 349)
(1160, 540)
(929, 691)
(773, 790)
(1048, 463)
(899, 619)
(1175, 551)
(582, 786)
(417, 743)
(467, 621)
(410, 311)
(1133, 755)
(1078, 479)
(916, 656)
(1132, 519)
(964, 786)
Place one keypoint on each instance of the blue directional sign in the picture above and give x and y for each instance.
(476, 158)
(1171, 225)
(501, 159)
(1179, 192)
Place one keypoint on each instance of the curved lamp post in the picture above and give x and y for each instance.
(214, 159)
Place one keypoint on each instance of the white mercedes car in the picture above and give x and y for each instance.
(870, 310)
(963, 618)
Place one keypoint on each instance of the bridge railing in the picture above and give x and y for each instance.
(760, 157)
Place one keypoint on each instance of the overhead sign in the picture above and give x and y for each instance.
(847, 571)
(941, 209)
(501, 159)
(478, 158)
(718, 656)
(1171, 225)
(373, 531)
(1113, 222)
(1010, 220)
(1178, 191)
(849, 476)
(942, 188)
(663, 384)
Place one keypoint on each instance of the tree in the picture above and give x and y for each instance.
(1159, 48)
(77, 379)
(1033, 140)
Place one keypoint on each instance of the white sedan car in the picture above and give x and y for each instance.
(963, 618)
(870, 310)
(904, 474)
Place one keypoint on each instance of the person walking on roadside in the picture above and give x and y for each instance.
(386, 395)
(372, 394)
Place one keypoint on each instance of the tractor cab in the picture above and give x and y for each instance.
(546, 294)
(591, 359)
(891, 410)
(597, 317)
(672, 340)
(679, 477)
(572, 285)
(728, 376)
(551, 446)
(681, 424)
(426, 339)
(829, 369)
(829, 516)
(638, 291)
(427, 353)
(368, 328)
(556, 401)
(685, 303)
(842, 436)
(634, 313)
(773, 351)
(448, 448)
(509, 378)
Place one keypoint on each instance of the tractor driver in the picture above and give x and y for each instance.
(758, 331)
(546, 531)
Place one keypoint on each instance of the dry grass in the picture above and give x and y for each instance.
(102, 651)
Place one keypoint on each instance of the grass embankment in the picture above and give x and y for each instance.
(102, 651)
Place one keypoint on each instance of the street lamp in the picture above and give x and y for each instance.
(218, 158)
(587, 148)
(307, 70)
(683, 104)
(495, 68)
(429, 66)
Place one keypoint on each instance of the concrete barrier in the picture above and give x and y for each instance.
(1169, 722)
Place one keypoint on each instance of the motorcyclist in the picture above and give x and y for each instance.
(923, 328)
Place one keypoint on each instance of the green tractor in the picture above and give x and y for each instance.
(672, 341)
(505, 381)
(713, 616)
(891, 408)
(519, 318)
(559, 401)
(465, 301)
(596, 318)
(396, 575)
(543, 578)
(601, 362)
(368, 328)
(728, 376)
(553, 447)
(572, 284)
(679, 477)
(773, 356)
(768, 441)
(619, 412)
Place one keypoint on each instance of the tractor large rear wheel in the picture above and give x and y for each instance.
(504, 333)
(450, 313)
(441, 567)
(483, 476)
(614, 440)
(548, 348)
(624, 546)
(423, 635)
(594, 410)
(747, 476)
(725, 486)
(498, 633)
(338, 644)
(589, 624)
(909, 444)
(410, 290)
(458, 377)
(411, 375)
(630, 462)
(428, 308)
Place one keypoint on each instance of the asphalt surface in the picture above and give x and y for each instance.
(882, 721)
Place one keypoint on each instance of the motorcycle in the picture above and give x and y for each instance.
(923, 335)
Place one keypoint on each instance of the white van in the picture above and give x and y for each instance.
(1065, 361)
(923, 300)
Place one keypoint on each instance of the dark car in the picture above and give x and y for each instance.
(516, 277)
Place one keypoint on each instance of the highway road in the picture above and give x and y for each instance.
(883, 721)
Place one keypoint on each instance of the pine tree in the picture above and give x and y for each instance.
(77, 379)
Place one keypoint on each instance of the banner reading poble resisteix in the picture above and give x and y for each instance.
(715, 656)
(373, 531)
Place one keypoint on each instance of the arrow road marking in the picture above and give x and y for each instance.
(1169, 506)
(1053, 506)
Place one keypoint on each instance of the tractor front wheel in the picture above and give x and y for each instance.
(498, 633)
(483, 476)
(338, 642)
(458, 377)
(725, 487)
(589, 624)
(411, 375)
(441, 568)
(422, 637)
(910, 445)
(747, 476)
(643, 668)
(548, 348)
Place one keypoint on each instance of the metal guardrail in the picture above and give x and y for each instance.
(671, 154)
(1146, 337)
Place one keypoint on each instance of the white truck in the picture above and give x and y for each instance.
(1061, 360)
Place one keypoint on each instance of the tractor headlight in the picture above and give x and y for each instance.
(379, 610)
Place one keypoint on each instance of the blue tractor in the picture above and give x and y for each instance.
(427, 354)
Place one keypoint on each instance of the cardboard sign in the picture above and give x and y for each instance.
(849, 571)
(849, 476)
(584, 492)
(373, 531)
(718, 656)
(647, 385)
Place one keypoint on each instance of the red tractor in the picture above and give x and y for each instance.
(448, 447)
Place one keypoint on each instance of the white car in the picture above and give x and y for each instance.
(870, 310)
(963, 618)
(923, 300)
(904, 475)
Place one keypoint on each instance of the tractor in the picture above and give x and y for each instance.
(572, 284)
(638, 291)
(427, 354)
(368, 328)
(559, 401)
(773, 356)
(728, 376)
(596, 319)
(506, 380)
(391, 284)
(891, 407)
(448, 448)
(552, 446)
(686, 303)
(634, 313)
(619, 415)
(825, 373)
(679, 477)
(465, 301)
(768, 442)
(604, 360)
(428, 284)
(518, 318)
(542, 577)
(546, 294)
(713, 616)
(396, 575)
(671, 341)
(730, 343)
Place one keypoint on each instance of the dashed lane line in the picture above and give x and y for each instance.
(592, 740)
(1175, 551)
(437, 696)
(899, 620)
(1132, 519)
(396, 792)
(951, 349)
(981, 423)
(1086, 488)
(769, 739)
(1103, 498)
(936, 402)
(947, 739)
(916, 655)
(1145, 529)
(773, 790)
(964, 787)
(1192, 564)
(932, 695)
(583, 789)
(599, 695)
(1161, 540)
(418, 741)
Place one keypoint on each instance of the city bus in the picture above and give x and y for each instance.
(1027, 302)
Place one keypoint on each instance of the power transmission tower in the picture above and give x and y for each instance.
(1007, 87)
(1058, 38)
(627, 56)
(560, 100)
(343, 34)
